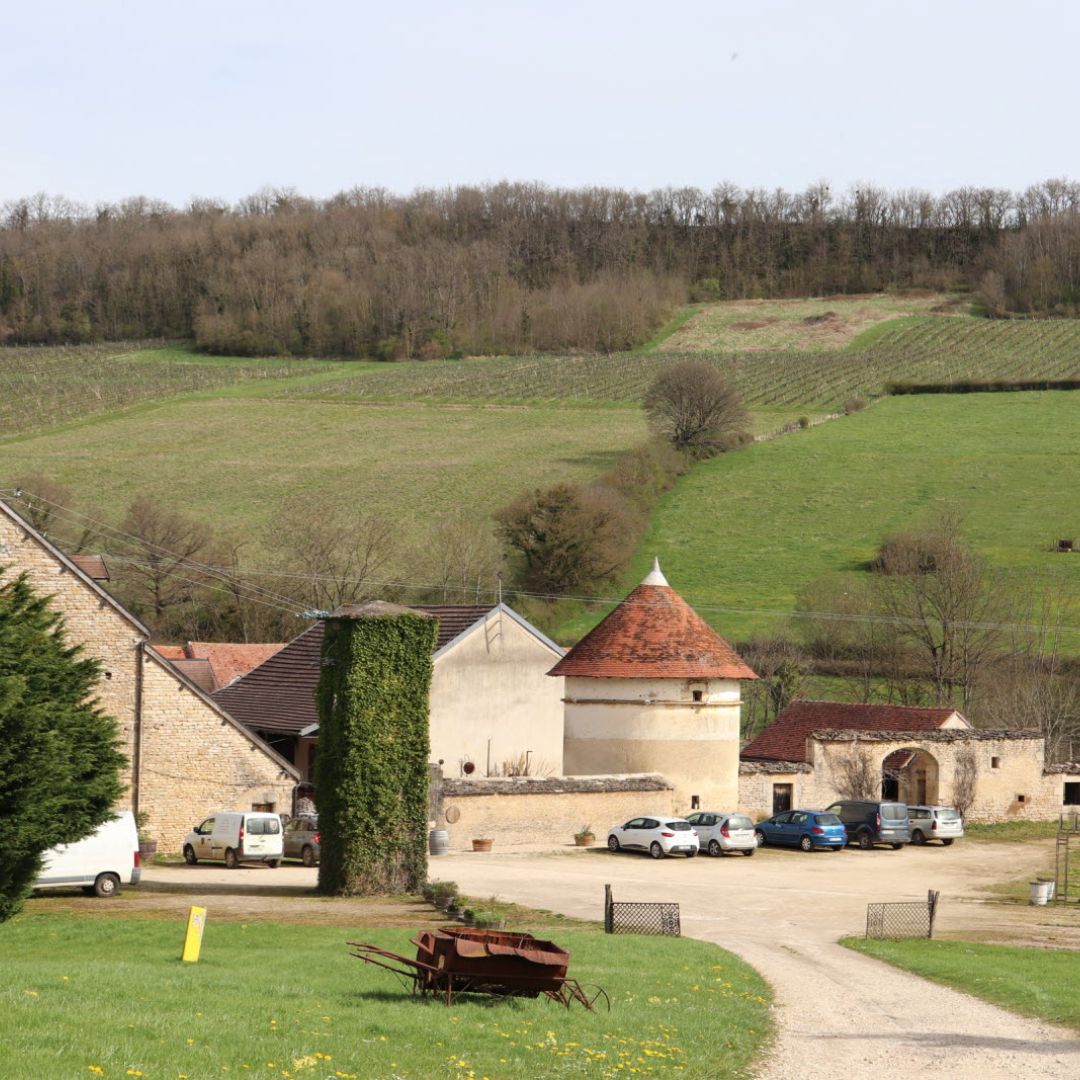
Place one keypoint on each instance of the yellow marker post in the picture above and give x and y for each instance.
(196, 923)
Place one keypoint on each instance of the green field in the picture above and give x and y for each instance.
(268, 1000)
(1035, 982)
(742, 534)
(234, 460)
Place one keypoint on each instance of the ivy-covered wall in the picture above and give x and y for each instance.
(372, 769)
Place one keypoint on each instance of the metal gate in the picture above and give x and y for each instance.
(622, 917)
(913, 918)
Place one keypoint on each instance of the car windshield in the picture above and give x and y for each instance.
(949, 815)
(893, 811)
(827, 819)
(739, 821)
(679, 826)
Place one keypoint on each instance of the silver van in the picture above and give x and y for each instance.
(942, 823)
(236, 836)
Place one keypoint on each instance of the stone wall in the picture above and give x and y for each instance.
(528, 814)
(756, 785)
(186, 759)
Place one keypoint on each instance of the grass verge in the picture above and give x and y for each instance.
(111, 998)
(1033, 982)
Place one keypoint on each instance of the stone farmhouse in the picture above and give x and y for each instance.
(800, 760)
(186, 755)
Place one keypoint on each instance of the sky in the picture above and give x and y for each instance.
(219, 98)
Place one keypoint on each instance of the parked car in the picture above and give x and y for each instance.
(942, 823)
(869, 823)
(301, 840)
(658, 834)
(808, 829)
(98, 864)
(236, 836)
(720, 833)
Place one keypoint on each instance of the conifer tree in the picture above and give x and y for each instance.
(59, 756)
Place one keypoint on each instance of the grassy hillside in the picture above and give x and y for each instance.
(235, 459)
(742, 534)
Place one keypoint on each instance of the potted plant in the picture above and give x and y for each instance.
(443, 892)
(453, 906)
(584, 836)
(482, 844)
(147, 844)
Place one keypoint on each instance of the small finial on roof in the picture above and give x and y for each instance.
(656, 575)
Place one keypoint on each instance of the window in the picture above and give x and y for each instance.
(697, 695)
(695, 802)
(1021, 798)
(782, 796)
(1072, 794)
(995, 763)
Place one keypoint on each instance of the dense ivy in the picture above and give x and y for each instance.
(372, 769)
(59, 756)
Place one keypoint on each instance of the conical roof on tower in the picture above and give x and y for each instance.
(653, 634)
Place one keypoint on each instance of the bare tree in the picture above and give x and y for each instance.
(463, 557)
(857, 774)
(965, 780)
(696, 407)
(783, 671)
(51, 508)
(338, 555)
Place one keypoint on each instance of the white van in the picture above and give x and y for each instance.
(236, 836)
(100, 863)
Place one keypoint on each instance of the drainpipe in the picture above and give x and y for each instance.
(137, 733)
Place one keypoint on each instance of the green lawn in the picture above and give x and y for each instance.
(1034, 982)
(742, 534)
(109, 997)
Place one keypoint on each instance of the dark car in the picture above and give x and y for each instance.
(808, 829)
(868, 823)
(301, 839)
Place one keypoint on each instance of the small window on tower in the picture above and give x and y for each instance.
(697, 694)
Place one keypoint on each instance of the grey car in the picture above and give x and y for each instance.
(942, 823)
(719, 833)
(301, 839)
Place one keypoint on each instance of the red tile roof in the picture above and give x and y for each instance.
(93, 566)
(171, 652)
(279, 695)
(230, 661)
(653, 634)
(785, 738)
(198, 671)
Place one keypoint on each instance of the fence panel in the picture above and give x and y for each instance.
(913, 918)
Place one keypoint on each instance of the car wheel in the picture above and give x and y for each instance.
(655, 850)
(273, 863)
(613, 843)
(917, 837)
(806, 843)
(759, 836)
(946, 843)
(748, 851)
(307, 856)
(231, 861)
(189, 855)
(714, 848)
(896, 847)
(106, 885)
(865, 841)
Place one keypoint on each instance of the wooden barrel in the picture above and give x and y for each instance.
(439, 842)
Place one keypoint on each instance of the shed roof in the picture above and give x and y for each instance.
(653, 634)
(785, 738)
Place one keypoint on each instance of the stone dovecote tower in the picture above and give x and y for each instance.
(653, 688)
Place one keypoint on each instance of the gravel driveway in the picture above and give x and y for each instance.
(841, 1015)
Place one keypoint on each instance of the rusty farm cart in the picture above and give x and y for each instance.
(504, 963)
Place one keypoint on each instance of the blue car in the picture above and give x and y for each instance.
(808, 829)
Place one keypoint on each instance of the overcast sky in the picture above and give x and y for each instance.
(217, 98)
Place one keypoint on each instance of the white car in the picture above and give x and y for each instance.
(99, 864)
(658, 834)
(720, 833)
(928, 823)
(236, 836)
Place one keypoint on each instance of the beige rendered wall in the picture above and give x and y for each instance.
(493, 687)
(654, 725)
(543, 821)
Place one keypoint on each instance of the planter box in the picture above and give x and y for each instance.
(482, 845)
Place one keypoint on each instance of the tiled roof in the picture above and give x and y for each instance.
(230, 661)
(198, 671)
(653, 634)
(785, 738)
(279, 695)
(171, 652)
(93, 566)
